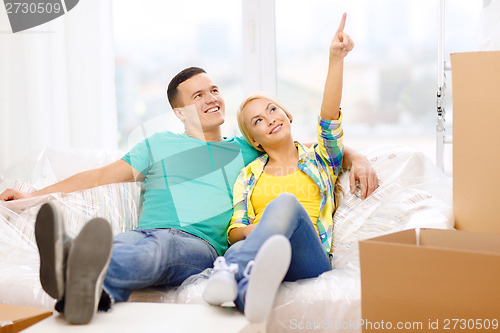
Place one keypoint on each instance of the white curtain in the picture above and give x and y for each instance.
(57, 84)
(489, 26)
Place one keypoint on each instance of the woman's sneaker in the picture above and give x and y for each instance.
(53, 247)
(86, 268)
(265, 275)
(221, 285)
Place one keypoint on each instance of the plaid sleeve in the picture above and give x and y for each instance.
(330, 143)
(240, 212)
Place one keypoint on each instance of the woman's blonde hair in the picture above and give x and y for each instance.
(241, 123)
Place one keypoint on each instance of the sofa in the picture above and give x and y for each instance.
(413, 193)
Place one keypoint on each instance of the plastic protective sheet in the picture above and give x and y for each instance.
(19, 261)
(190, 291)
(412, 193)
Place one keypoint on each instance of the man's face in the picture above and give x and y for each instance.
(202, 103)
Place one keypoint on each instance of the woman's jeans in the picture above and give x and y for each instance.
(155, 257)
(286, 216)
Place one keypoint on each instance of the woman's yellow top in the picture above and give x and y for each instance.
(268, 187)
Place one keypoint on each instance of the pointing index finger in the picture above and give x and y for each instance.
(342, 23)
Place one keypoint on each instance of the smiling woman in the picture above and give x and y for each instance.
(273, 103)
(273, 211)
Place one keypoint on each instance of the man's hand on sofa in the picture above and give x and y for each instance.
(11, 194)
(360, 171)
(18, 201)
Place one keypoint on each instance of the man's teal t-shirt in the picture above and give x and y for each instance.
(189, 183)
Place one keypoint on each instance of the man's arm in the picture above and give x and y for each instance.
(119, 171)
(360, 171)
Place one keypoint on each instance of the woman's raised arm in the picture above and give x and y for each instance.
(341, 45)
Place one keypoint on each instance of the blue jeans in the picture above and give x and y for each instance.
(154, 257)
(286, 216)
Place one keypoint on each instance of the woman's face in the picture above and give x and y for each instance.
(266, 122)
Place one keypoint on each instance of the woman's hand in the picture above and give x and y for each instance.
(248, 229)
(237, 234)
(341, 44)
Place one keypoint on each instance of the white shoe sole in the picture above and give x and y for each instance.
(221, 288)
(49, 235)
(270, 267)
(87, 264)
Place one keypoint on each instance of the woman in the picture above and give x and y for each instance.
(283, 201)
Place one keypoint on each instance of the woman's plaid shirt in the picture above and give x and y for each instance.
(322, 162)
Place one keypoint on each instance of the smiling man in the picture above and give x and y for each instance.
(198, 103)
(187, 179)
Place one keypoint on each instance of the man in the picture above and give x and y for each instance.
(188, 180)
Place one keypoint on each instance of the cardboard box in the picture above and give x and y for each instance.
(437, 282)
(15, 318)
(476, 140)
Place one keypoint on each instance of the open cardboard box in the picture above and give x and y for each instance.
(476, 138)
(16, 318)
(431, 280)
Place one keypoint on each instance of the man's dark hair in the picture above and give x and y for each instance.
(185, 74)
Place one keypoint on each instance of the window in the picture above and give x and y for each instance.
(155, 39)
(390, 82)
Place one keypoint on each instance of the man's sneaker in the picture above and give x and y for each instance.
(221, 285)
(53, 246)
(266, 274)
(87, 264)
